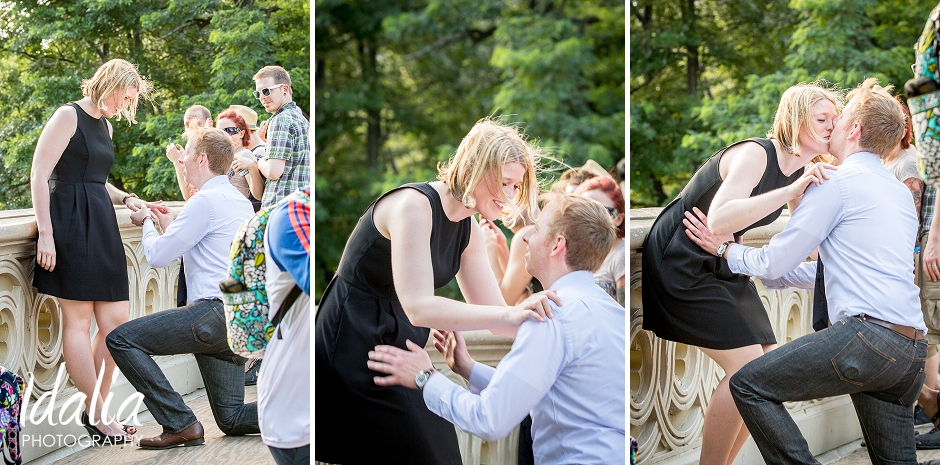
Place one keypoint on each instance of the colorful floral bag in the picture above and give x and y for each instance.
(243, 292)
(11, 400)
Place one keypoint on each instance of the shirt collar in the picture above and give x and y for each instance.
(284, 107)
(214, 182)
(859, 158)
(575, 279)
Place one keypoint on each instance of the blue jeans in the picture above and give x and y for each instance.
(296, 456)
(198, 329)
(880, 369)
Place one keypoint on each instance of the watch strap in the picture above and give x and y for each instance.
(422, 378)
(723, 248)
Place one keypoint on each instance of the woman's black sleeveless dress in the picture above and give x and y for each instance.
(90, 262)
(358, 422)
(691, 296)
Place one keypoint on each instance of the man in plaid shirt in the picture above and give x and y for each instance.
(927, 275)
(286, 165)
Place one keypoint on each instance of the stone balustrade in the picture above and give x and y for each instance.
(31, 342)
(671, 383)
(31, 330)
(487, 349)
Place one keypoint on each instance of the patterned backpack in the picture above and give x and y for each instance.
(11, 401)
(923, 97)
(243, 292)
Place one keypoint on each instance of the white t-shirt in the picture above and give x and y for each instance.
(613, 268)
(284, 397)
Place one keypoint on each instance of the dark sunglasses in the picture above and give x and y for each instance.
(614, 213)
(266, 91)
(232, 130)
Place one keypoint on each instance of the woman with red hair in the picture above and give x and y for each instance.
(612, 274)
(244, 174)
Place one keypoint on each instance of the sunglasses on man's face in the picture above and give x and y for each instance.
(614, 213)
(266, 91)
(232, 130)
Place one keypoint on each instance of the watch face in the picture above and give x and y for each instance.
(421, 379)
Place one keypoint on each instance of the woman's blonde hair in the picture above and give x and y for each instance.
(117, 75)
(481, 155)
(795, 112)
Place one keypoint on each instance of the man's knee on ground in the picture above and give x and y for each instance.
(229, 426)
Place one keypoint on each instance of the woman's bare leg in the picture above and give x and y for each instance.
(83, 360)
(108, 315)
(720, 443)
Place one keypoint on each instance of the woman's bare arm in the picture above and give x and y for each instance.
(732, 209)
(406, 217)
(52, 143)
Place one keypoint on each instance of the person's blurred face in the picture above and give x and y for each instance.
(193, 119)
(277, 95)
(612, 208)
(837, 145)
(492, 195)
(233, 131)
(822, 120)
(189, 159)
(539, 242)
(119, 101)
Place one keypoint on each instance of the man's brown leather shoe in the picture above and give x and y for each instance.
(192, 436)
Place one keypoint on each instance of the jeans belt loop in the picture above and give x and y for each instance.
(900, 329)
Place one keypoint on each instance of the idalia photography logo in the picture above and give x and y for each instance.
(42, 415)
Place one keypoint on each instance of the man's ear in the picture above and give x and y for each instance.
(855, 132)
(209, 123)
(560, 246)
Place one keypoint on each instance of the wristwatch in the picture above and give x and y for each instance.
(723, 247)
(422, 378)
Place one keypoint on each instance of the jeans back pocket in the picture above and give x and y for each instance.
(860, 362)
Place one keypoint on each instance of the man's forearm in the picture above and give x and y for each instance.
(271, 168)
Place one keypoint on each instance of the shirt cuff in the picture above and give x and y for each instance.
(735, 256)
(434, 391)
(149, 227)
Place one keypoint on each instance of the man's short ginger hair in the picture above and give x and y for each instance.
(882, 120)
(217, 145)
(586, 226)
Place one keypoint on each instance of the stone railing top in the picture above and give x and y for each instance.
(19, 225)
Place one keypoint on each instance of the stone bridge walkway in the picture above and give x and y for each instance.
(218, 449)
(854, 454)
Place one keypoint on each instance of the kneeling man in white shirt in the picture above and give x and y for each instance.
(568, 372)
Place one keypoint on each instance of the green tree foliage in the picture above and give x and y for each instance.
(399, 83)
(839, 42)
(195, 51)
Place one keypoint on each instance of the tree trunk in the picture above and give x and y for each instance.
(373, 114)
(692, 47)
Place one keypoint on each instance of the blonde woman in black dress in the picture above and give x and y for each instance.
(79, 250)
(691, 296)
(410, 241)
